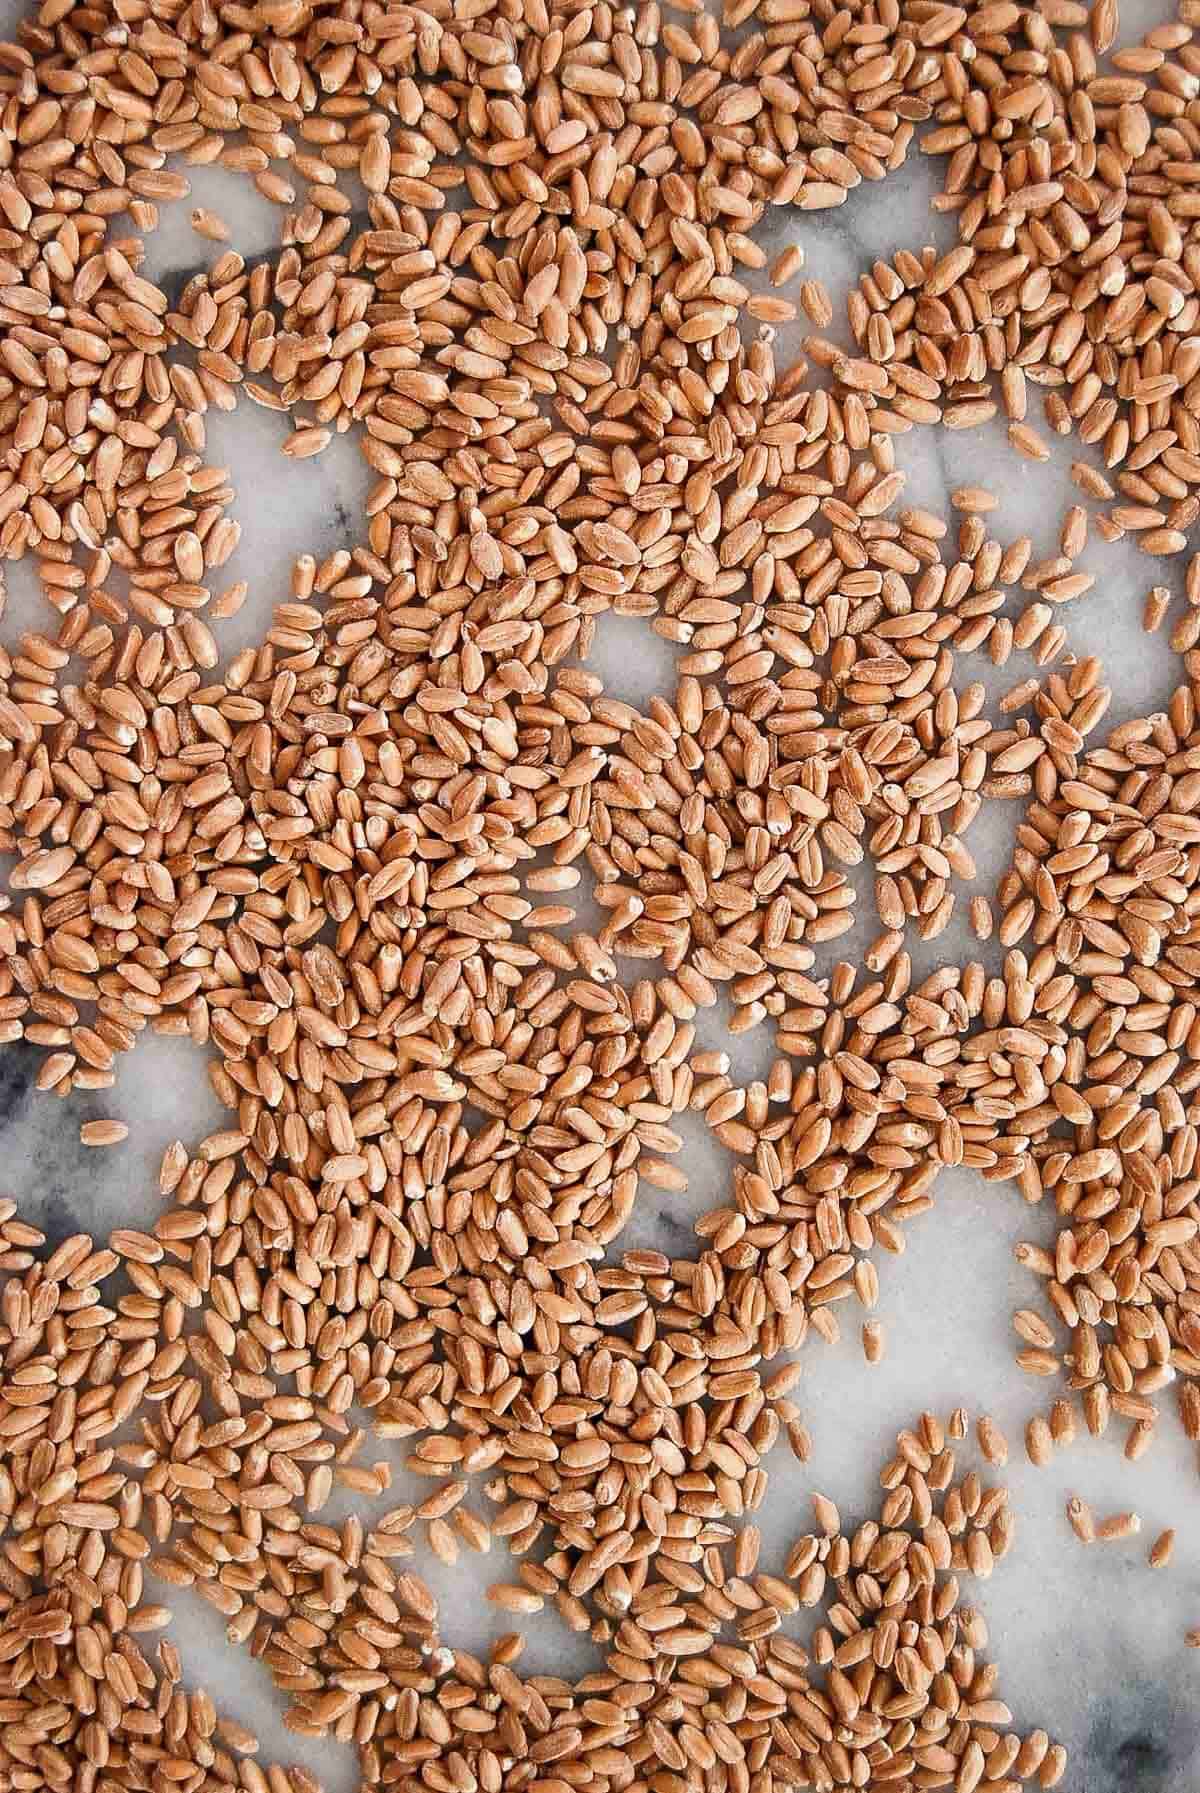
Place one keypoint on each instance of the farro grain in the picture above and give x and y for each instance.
(1117, 1527)
(103, 1133)
(1161, 1549)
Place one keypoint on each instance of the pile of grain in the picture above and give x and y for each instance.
(355, 861)
(895, 1686)
(1093, 1059)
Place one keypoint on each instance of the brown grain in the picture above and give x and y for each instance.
(354, 863)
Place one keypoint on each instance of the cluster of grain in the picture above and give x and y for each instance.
(895, 1692)
(84, 1710)
(1092, 1060)
(347, 861)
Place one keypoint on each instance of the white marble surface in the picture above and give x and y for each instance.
(1089, 1642)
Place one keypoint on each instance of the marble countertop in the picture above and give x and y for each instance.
(1089, 1642)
